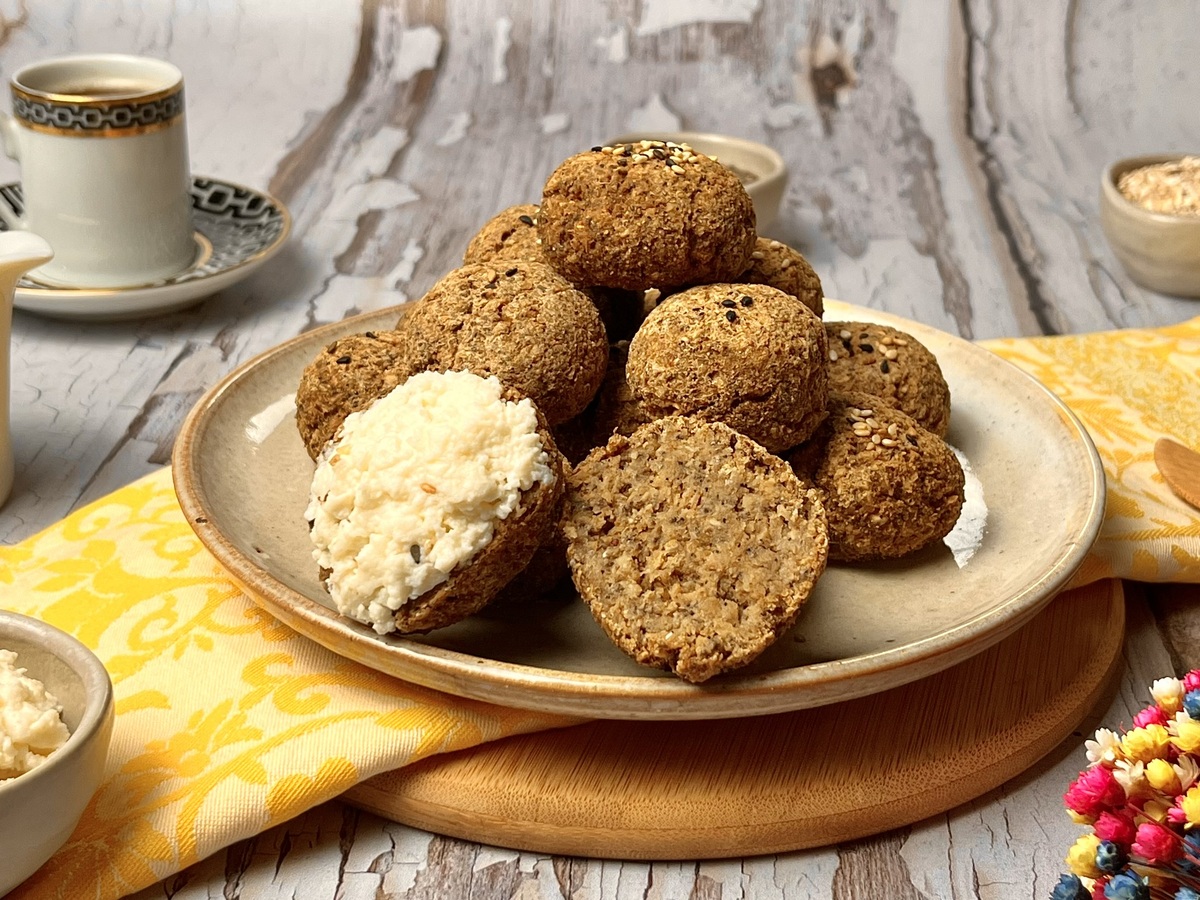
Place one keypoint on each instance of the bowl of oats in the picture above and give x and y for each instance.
(56, 716)
(1150, 213)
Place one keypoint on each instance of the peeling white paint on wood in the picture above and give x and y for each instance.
(943, 166)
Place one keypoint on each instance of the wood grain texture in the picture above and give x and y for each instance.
(944, 161)
(770, 784)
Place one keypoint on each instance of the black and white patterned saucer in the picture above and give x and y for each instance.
(237, 230)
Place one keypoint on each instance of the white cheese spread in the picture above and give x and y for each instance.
(414, 485)
(31, 725)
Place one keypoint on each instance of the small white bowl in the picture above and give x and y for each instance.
(760, 168)
(1159, 251)
(39, 810)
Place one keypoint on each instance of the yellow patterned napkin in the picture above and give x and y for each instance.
(228, 723)
(1129, 388)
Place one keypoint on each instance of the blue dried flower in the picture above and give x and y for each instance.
(1110, 858)
(1191, 703)
(1069, 887)
(1191, 847)
(1186, 893)
(1127, 886)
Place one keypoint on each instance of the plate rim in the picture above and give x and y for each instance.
(163, 296)
(654, 696)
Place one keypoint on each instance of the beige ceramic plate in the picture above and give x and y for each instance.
(242, 477)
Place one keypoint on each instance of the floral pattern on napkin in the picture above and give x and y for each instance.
(1129, 388)
(227, 722)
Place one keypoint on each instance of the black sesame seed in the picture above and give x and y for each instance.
(846, 344)
(866, 348)
(622, 161)
(415, 552)
(372, 335)
(731, 315)
(343, 360)
(747, 301)
(884, 367)
(511, 272)
(525, 219)
(597, 149)
(729, 304)
(912, 440)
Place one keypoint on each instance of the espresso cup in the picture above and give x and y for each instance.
(102, 144)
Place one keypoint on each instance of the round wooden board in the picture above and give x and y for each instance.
(769, 784)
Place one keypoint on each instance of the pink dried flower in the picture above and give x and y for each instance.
(1094, 791)
(1156, 844)
(1116, 826)
(1151, 715)
(1191, 680)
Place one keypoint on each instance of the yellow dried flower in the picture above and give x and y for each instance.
(1156, 810)
(1081, 858)
(1145, 744)
(1186, 731)
(1162, 777)
(1190, 804)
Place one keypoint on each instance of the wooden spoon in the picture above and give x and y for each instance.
(1180, 466)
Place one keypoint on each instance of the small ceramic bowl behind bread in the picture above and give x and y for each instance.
(1159, 251)
(39, 810)
(760, 168)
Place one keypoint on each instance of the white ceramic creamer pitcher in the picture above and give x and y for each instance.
(20, 251)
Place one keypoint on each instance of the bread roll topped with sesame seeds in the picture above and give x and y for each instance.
(747, 355)
(348, 376)
(520, 321)
(693, 546)
(648, 215)
(892, 365)
(778, 265)
(890, 487)
(431, 500)
(510, 234)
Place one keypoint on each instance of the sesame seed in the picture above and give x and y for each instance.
(757, 254)
(890, 354)
(785, 264)
(525, 219)
(678, 170)
(866, 412)
(606, 149)
(872, 421)
(343, 360)
(884, 367)
(729, 304)
(911, 438)
(415, 552)
(428, 488)
(844, 335)
(901, 342)
(747, 300)
(372, 335)
(833, 356)
(597, 149)
(892, 430)
(866, 348)
(731, 315)
(875, 439)
(888, 442)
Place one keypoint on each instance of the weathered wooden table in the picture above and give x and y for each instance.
(945, 160)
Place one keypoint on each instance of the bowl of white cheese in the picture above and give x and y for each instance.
(56, 716)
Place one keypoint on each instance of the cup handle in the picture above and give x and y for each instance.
(9, 137)
(10, 207)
